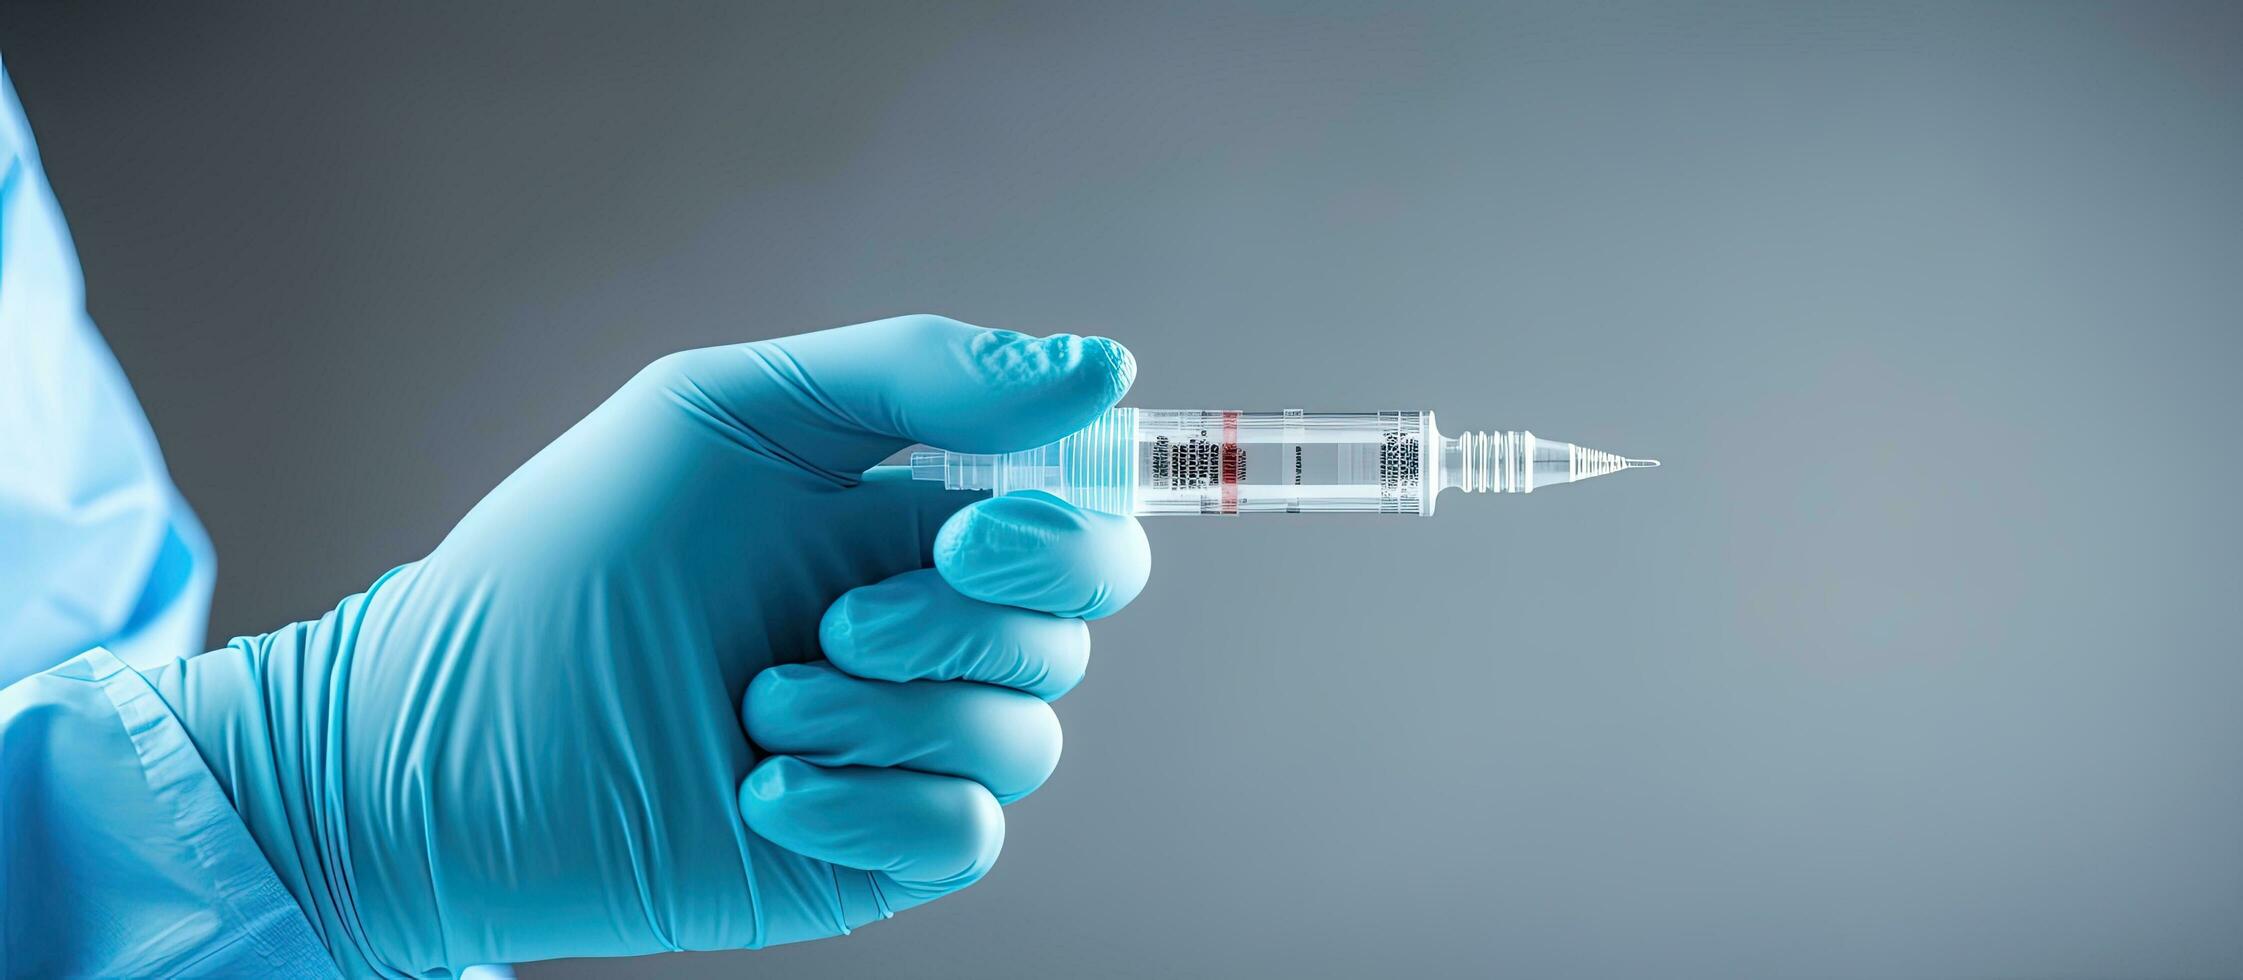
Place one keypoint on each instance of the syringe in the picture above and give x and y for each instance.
(1157, 461)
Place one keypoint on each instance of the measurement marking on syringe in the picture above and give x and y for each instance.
(1293, 436)
(1223, 462)
(1233, 463)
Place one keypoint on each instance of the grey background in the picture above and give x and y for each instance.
(1917, 659)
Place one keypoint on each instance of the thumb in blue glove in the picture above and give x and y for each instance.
(700, 675)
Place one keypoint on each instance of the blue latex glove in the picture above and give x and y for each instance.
(530, 743)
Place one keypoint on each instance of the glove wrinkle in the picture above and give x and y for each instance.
(535, 742)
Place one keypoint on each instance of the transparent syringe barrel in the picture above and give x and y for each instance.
(1160, 461)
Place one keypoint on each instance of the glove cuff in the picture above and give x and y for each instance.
(266, 714)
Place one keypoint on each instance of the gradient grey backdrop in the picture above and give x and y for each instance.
(1919, 658)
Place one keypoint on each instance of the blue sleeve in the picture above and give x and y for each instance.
(95, 545)
(119, 855)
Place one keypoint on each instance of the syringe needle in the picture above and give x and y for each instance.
(1639, 462)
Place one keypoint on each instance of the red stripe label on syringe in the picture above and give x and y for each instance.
(1234, 463)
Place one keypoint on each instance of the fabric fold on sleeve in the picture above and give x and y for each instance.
(123, 857)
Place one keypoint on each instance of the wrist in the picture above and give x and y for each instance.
(260, 713)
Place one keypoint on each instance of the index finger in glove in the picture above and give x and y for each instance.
(1034, 551)
(916, 627)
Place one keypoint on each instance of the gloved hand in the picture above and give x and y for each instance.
(530, 743)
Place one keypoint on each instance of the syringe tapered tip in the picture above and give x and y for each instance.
(1519, 462)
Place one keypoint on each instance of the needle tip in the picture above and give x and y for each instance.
(1639, 462)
